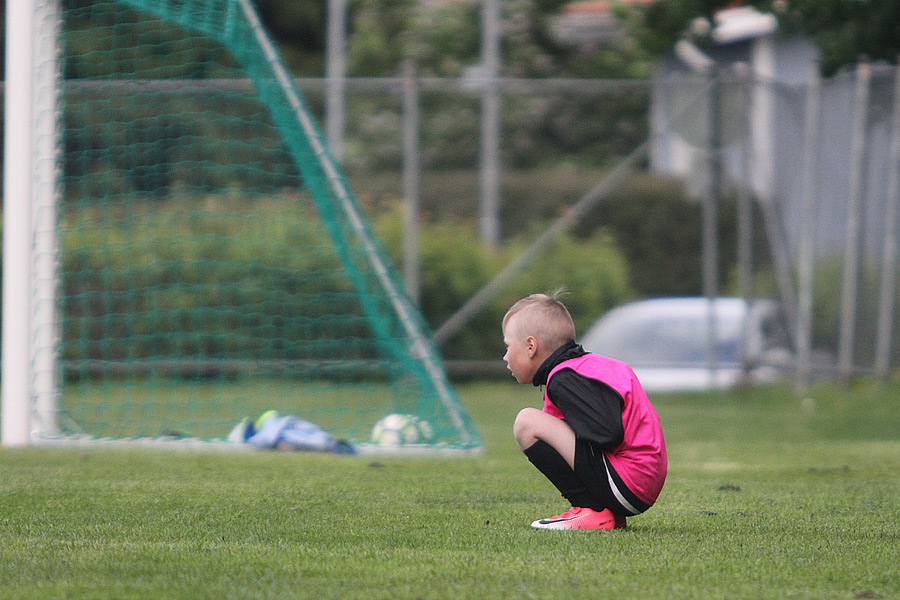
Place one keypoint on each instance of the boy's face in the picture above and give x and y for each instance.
(520, 350)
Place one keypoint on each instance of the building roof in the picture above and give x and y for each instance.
(590, 22)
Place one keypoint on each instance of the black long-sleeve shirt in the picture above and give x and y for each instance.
(591, 408)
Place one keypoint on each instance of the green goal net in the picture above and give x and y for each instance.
(212, 262)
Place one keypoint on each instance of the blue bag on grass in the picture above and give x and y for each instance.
(274, 431)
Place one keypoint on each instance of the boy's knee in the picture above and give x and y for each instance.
(523, 427)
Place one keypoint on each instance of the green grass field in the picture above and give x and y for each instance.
(769, 495)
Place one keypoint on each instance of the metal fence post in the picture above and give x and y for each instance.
(889, 250)
(806, 250)
(850, 281)
(411, 180)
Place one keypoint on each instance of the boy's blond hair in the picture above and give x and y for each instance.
(545, 318)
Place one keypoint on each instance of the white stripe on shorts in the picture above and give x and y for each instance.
(612, 485)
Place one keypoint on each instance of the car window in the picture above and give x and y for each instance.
(666, 340)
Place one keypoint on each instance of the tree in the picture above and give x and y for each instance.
(298, 27)
(445, 38)
(844, 30)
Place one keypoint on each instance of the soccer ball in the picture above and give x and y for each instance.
(399, 430)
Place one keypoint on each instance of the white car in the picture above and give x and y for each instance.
(667, 343)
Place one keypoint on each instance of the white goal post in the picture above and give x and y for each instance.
(112, 298)
(30, 168)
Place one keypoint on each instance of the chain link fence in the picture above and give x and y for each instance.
(814, 163)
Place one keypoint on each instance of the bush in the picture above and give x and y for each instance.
(651, 219)
(239, 279)
(246, 278)
(455, 264)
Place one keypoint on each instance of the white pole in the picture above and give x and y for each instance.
(762, 61)
(806, 251)
(745, 206)
(763, 65)
(45, 332)
(490, 124)
(336, 76)
(411, 181)
(710, 208)
(850, 284)
(17, 169)
(889, 251)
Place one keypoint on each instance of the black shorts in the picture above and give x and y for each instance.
(602, 481)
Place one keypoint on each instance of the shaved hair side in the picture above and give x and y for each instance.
(544, 317)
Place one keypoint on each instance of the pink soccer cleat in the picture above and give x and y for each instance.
(582, 518)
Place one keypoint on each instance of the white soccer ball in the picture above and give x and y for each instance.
(399, 430)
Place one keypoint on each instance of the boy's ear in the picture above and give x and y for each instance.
(531, 344)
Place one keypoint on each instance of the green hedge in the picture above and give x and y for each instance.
(455, 264)
(254, 279)
(119, 280)
(238, 279)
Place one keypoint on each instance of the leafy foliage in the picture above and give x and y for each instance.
(847, 30)
(445, 37)
(232, 281)
(456, 264)
(844, 30)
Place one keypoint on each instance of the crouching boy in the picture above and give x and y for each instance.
(597, 438)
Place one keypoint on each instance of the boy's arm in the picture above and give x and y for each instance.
(591, 408)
